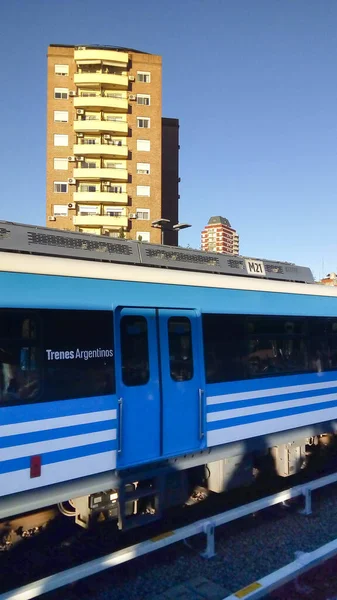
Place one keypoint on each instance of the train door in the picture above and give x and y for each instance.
(137, 380)
(159, 383)
(182, 381)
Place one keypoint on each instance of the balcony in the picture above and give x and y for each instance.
(92, 55)
(108, 103)
(109, 80)
(105, 150)
(104, 173)
(101, 221)
(97, 126)
(101, 197)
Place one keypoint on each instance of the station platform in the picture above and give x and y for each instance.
(319, 583)
(311, 576)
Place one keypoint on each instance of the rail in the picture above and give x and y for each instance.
(205, 526)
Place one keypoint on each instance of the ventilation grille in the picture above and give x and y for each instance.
(235, 264)
(181, 257)
(59, 241)
(4, 233)
(274, 269)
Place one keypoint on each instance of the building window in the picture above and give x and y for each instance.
(144, 99)
(88, 188)
(143, 168)
(60, 139)
(61, 116)
(60, 187)
(90, 141)
(61, 164)
(144, 145)
(88, 165)
(61, 93)
(143, 122)
(113, 189)
(143, 214)
(113, 118)
(61, 69)
(88, 210)
(114, 165)
(60, 210)
(143, 236)
(144, 76)
(112, 211)
(143, 190)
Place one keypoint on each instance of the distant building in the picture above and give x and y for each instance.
(330, 279)
(112, 160)
(219, 236)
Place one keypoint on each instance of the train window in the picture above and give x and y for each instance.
(241, 347)
(20, 365)
(78, 354)
(135, 350)
(180, 348)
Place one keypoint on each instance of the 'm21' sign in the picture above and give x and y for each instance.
(255, 267)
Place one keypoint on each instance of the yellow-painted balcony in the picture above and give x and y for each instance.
(102, 103)
(89, 55)
(106, 126)
(105, 173)
(106, 150)
(99, 220)
(109, 80)
(101, 197)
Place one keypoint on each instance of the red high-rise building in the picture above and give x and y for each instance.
(219, 236)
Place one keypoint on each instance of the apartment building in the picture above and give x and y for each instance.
(112, 160)
(219, 236)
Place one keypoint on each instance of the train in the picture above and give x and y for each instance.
(130, 373)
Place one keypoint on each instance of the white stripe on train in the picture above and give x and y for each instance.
(265, 408)
(57, 422)
(18, 481)
(64, 443)
(276, 391)
(260, 428)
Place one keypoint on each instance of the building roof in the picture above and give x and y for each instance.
(217, 220)
(98, 46)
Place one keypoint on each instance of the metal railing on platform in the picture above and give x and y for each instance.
(205, 526)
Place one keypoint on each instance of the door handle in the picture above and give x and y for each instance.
(120, 424)
(201, 413)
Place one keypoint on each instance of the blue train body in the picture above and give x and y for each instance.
(145, 350)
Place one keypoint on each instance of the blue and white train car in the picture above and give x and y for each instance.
(127, 369)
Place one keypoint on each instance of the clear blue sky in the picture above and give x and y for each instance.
(254, 84)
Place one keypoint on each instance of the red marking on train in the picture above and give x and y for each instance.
(35, 466)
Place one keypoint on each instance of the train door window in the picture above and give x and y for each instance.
(180, 348)
(135, 350)
(20, 360)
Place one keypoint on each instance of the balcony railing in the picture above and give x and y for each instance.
(112, 80)
(99, 220)
(100, 149)
(101, 125)
(107, 102)
(101, 173)
(103, 197)
(98, 54)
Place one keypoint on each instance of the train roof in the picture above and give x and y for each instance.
(36, 240)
